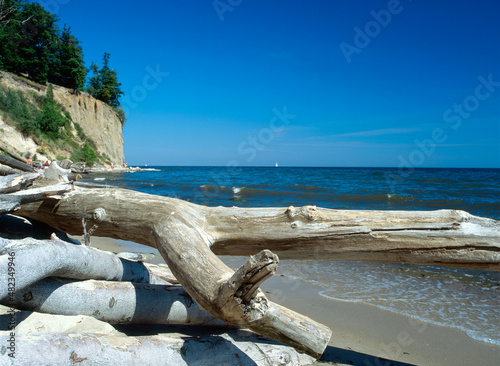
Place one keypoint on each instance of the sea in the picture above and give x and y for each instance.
(468, 300)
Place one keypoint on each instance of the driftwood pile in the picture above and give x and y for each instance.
(62, 278)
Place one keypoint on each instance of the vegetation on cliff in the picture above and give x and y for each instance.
(46, 121)
(33, 47)
(32, 44)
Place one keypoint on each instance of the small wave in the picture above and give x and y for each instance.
(99, 179)
(378, 197)
(149, 170)
(97, 185)
(477, 335)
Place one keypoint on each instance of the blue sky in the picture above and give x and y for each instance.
(302, 83)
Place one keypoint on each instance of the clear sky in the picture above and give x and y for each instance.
(301, 83)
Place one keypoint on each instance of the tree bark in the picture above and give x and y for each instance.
(113, 302)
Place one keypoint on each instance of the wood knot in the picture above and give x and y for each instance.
(310, 213)
(99, 214)
(290, 212)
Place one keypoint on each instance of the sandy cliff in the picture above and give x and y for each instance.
(98, 120)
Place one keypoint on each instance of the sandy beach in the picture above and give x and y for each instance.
(362, 334)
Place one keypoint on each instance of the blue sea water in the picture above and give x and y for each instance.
(464, 299)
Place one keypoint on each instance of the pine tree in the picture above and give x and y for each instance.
(94, 84)
(104, 85)
(38, 39)
(68, 66)
(11, 35)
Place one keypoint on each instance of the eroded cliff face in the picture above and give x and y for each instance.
(97, 119)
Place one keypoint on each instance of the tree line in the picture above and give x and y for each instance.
(32, 44)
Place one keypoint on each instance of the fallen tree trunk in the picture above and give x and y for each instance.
(187, 235)
(176, 228)
(13, 154)
(49, 349)
(113, 302)
(15, 182)
(34, 260)
(444, 237)
(14, 163)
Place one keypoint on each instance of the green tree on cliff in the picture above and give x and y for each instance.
(104, 85)
(68, 67)
(30, 43)
(32, 35)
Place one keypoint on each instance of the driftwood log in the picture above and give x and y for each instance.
(14, 163)
(233, 297)
(444, 237)
(188, 235)
(113, 302)
(48, 349)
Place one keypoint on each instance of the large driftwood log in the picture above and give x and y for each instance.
(15, 182)
(13, 153)
(14, 163)
(36, 259)
(48, 349)
(113, 302)
(186, 234)
(444, 237)
(178, 230)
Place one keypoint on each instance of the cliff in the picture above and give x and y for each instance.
(97, 119)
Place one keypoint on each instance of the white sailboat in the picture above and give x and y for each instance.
(276, 165)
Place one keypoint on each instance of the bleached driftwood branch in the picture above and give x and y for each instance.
(176, 228)
(100, 349)
(444, 237)
(113, 302)
(39, 259)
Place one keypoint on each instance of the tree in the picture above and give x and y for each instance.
(68, 67)
(94, 84)
(39, 37)
(104, 85)
(11, 37)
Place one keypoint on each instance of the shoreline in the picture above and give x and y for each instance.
(362, 334)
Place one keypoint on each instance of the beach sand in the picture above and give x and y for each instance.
(362, 334)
